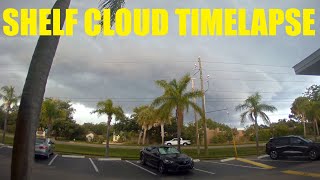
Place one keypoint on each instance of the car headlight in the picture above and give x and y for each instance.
(168, 161)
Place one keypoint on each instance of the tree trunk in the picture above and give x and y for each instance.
(257, 134)
(5, 126)
(162, 133)
(179, 124)
(32, 98)
(317, 127)
(48, 135)
(144, 135)
(304, 129)
(140, 134)
(108, 133)
(315, 131)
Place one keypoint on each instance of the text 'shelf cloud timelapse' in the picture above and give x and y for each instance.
(155, 22)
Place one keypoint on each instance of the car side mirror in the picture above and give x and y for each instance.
(51, 142)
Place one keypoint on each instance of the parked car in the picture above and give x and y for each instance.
(174, 141)
(44, 147)
(292, 146)
(165, 158)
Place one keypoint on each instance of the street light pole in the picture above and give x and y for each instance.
(195, 120)
(204, 110)
(234, 141)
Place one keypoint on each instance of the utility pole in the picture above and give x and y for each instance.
(204, 110)
(195, 121)
(233, 138)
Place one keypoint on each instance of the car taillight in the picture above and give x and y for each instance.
(42, 147)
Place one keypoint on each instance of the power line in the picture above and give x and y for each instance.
(245, 64)
(184, 61)
(254, 72)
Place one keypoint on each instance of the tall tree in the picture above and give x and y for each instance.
(253, 109)
(10, 101)
(50, 111)
(313, 114)
(176, 97)
(107, 107)
(34, 88)
(313, 93)
(163, 117)
(146, 118)
(298, 109)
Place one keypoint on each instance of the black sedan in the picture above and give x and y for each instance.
(165, 158)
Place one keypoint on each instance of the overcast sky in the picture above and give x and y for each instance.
(86, 69)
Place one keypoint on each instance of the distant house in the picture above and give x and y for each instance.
(41, 133)
(116, 138)
(90, 137)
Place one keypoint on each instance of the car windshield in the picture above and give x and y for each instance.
(308, 140)
(40, 141)
(168, 150)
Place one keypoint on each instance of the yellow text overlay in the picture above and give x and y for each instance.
(155, 22)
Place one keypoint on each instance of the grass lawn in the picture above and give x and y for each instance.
(134, 153)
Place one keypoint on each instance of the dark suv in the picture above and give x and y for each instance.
(292, 146)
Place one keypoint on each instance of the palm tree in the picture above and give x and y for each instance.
(176, 98)
(34, 88)
(163, 117)
(10, 100)
(298, 108)
(253, 109)
(146, 118)
(107, 107)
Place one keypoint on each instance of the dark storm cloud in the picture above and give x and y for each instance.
(88, 69)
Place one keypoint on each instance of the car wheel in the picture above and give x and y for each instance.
(161, 168)
(184, 144)
(274, 155)
(313, 155)
(143, 160)
(169, 144)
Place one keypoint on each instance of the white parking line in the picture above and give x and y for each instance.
(109, 159)
(203, 171)
(52, 159)
(196, 160)
(263, 156)
(228, 159)
(141, 168)
(9, 147)
(234, 165)
(94, 166)
(72, 156)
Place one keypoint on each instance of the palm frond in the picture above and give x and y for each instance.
(159, 100)
(183, 83)
(244, 116)
(195, 94)
(196, 108)
(114, 6)
(264, 117)
(242, 107)
(266, 107)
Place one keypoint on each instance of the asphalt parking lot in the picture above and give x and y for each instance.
(81, 167)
